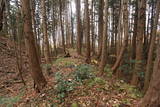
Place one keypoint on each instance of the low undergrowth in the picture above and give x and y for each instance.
(10, 101)
(83, 83)
(67, 83)
(76, 84)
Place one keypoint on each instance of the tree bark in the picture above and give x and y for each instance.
(79, 27)
(53, 30)
(105, 36)
(120, 30)
(36, 71)
(125, 42)
(2, 8)
(46, 41)
(87, 32)
(148, 72)
(92, 28)
(135, 31)
(72, 27)
(139, 48)
(100, 27)
(62, 29)
(152, 96)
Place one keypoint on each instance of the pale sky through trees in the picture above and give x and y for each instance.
(73, 6)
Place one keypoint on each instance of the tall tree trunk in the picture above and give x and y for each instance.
(135, 31)
(79, 27)
(8, 7)
(92, 28)
(62, 28)
(100, 27)
(36, 71)
(125, 42)
(18, 43)
(53, 30)
(67, 29)
(46, 41)
(87, 32)
(117, 15)
(139, 49)
(2, 8)
(104, 40)
(152, 96)
(72, 27)
(120, 29)
(148, 72)
(32, 3)
(113, 30)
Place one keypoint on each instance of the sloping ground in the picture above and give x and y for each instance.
(71, 83)
(10, 80)
(97, 91)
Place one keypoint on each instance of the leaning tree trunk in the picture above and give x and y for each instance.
(104, 40)
(152, 97)
(33, 5)
(125, 42)
(36, 71)
(148, 72)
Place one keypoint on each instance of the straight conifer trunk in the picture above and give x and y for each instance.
(87, 32)
(79, 27)
(139, 46)
(105, 36)
(45, 34)
(100, 27)
(2, 8)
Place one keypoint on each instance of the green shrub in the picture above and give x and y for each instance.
(131, 90)
(59, 60)
(62, 62)
(9, 101)
(96, 81)
(74, 105)
(126, 68)
(83, 72)
(126, 101)
(63, 86)
(108, 71)
(69, 64)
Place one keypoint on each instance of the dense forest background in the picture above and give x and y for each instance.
(53, 51)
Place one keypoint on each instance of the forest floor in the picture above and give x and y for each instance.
(71, 83)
